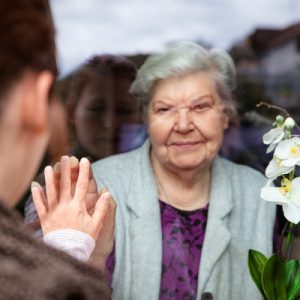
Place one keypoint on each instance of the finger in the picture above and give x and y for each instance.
(50, 187)
(44, 197)
(101, 210)
(102, 191)
(91, 201)
(110, 218)
(83, 180)
(65, 180)
(56, 170)
(74, 168)
(38, 201)
(91, 171)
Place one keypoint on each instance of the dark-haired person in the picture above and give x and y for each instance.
(103, 115)
(28, 268)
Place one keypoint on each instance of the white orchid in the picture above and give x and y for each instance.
(288, 152)
(273, 137)
(276, 135)
(285, 159)
(287, 195)
(275, 169)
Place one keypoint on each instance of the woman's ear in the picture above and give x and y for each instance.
(225, 121)
(36, 102)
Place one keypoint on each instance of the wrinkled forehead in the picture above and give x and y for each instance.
(185, 89)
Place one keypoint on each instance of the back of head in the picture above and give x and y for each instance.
(27, 40)
(181, 59)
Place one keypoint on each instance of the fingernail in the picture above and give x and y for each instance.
(106, 196)
(35, 184)
(74, 161)
(57, 167)
(102, 191)
(89, 158)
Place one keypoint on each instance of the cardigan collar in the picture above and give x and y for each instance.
(217, 235)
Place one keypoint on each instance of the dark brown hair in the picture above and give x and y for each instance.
(99, 65)
(26, 40)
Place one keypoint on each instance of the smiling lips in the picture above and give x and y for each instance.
(185, 144)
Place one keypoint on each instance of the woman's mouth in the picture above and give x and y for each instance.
(185, 144)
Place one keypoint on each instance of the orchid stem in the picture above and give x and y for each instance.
(289, 242)
(280, 249)
(262, 103)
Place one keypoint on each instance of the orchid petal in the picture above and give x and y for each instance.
(273, 194)
(274, 169)
(291, 212)
(295, 184)
(271, 148)
(279, 137)
(272, 135)
(290, 162)
(283, 149)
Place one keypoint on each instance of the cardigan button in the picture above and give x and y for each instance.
(207, 296)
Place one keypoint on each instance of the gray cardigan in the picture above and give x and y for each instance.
(237, 221)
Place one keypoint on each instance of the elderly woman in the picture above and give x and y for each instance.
(186, 217)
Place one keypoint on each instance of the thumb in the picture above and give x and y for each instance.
(101, 210)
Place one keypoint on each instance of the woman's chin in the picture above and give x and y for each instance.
(189, 164)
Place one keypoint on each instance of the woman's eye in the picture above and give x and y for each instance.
(163, 109)
(201, 107)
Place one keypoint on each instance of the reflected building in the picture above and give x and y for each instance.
(272, 57)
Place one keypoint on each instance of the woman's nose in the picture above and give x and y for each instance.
(183, 120)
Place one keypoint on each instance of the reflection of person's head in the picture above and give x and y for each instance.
(28, 65)
(100, 103)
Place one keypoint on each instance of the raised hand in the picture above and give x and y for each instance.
(92, 192)
(64, 205)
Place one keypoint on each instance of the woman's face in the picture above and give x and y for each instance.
(105, 104)
(186, 121)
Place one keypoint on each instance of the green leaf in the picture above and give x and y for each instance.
(292, 278)
(273, 278)
(256, 263)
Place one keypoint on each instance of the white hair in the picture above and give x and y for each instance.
(184, 58)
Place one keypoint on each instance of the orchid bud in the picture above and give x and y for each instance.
(279, 120)
(289, 123)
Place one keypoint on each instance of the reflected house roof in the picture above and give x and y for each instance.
(272, 57)
(263, 39)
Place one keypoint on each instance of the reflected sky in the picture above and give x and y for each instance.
(85, 27)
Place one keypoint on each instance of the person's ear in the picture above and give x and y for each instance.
(225, 121)
(36, 104)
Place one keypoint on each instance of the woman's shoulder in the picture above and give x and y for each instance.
(240, 170)
(246, 184)
(117, 159)
(242, 173)
(121, 164)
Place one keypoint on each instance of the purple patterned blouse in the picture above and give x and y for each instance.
(183, 235)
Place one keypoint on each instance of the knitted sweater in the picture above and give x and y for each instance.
(30, 270)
